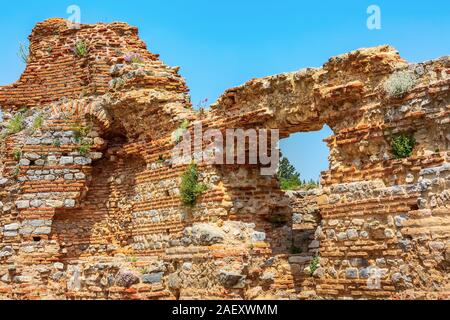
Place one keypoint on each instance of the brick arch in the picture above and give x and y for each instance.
(85, 108)
(308, 99)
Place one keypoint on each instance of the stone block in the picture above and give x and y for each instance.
(231, 279)
(126, 278)
(55, 203)
(42, 231)
(23, 204)
(206, 234)
(152, 278)
(351, 273)
(12, 227)
(69, 203)
(66, 161)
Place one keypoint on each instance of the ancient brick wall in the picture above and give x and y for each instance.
(89, 194)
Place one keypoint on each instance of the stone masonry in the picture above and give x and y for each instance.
(90, 202)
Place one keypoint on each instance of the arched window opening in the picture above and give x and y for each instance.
(304, 158)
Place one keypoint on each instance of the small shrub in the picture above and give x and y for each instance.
(290, 184)
(133, 58)
(403, 146)
(203, 104)
(80, 131)
(314, 265)
(80, 136)
(57, 143)
(81, 48)
(190, 188)
(24, 53)
(17, 154)
(16, 124)
(85, 147)
(160, 159)
(201, 113)
(15, 172)
(294, 183)
(144, 270)
(310, 185)
(399, 84)
(177, 136)
(184, 125)
(38, 122)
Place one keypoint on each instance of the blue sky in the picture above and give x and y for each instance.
(221, 44)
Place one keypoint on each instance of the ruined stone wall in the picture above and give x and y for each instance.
(379, 213)
(96, 214)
